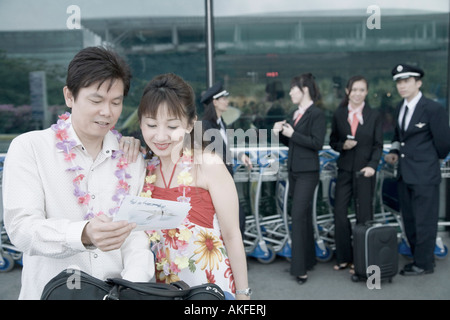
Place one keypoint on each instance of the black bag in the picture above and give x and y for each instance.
(72, 284)
(375, 244)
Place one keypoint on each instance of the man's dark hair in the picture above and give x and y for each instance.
(97, 65)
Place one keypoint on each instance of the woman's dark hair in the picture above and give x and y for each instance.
(349, 86)
(172, 91)
(210, 112)
(97, 65)
(307, 80)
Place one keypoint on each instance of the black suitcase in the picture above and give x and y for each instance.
(375, 244)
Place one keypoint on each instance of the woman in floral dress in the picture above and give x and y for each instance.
(207, 247)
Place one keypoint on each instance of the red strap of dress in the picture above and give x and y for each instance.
(171, 176)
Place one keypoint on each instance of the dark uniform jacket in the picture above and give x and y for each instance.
(368, 151)
(426, 140)
(221, 149)
(306, 141)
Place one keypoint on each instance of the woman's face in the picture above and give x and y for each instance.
(296, 94)
(358, 93)
(164, 134)
(221, 105)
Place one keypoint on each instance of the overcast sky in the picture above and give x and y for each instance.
(51, 14)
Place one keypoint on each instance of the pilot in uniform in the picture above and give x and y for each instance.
(421, 138)
(215, 100)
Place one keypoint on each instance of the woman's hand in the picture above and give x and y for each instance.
(131, 148)
(349, 144)
(288, 131)
(278, 127)
(368, 172)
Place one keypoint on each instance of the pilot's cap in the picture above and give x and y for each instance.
(404, 71)
(214, 92)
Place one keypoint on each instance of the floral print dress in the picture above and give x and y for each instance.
(194, 252)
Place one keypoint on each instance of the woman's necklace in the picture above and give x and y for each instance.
(184, 178)
(66, 145)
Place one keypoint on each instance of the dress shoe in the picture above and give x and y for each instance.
(412, 270)
(302, 279)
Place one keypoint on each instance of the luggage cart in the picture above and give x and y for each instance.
(390, 204)
(265, 236)
(9, 255)
(323, 216)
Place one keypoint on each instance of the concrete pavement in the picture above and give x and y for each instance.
(273, 282)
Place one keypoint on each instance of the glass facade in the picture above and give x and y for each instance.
(257, 56)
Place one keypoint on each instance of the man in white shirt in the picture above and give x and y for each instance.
(62, 185)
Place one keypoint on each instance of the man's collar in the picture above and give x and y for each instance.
(110, 142)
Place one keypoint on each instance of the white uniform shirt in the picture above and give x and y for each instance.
(45, 221)
(411, 108)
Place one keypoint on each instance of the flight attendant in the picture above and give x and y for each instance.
(304, 133)
(357, 135)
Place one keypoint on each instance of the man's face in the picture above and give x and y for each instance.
(408, 88)
(95, 111)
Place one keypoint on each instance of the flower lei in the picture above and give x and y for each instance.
(66, 145)
(184, 178)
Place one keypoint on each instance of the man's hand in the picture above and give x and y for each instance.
(105, 234)
(391, 158)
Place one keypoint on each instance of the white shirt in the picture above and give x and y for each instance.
(301, 110)
(45, 221)
(223, 132)
(411, 107)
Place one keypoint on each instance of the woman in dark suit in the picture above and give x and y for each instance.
(357, 135)
(304, 133)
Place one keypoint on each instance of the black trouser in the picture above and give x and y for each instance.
(419, 205)
(303, 248)
(362, 189)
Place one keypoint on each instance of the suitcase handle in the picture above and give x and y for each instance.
(176, 289)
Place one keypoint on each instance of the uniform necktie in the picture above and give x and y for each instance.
(223, 131)
(298, 118)
(403, 127)
(354, 124)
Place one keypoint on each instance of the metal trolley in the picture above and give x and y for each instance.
(323, 204)
(266, 235)
(9, 255)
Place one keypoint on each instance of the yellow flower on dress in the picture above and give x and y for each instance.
(184, 234)
(209, 250)
(182, 262)
(184, 178)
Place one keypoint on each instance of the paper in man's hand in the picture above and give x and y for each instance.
(152, 214)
